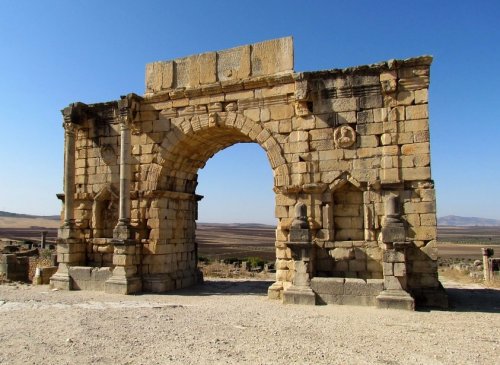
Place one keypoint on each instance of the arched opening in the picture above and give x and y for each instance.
(171, 252)
(236, 223)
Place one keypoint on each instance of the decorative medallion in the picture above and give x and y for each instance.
(344, 136)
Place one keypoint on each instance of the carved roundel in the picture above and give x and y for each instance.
(344, 136)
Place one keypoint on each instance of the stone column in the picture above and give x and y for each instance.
(70, 248)
(487, 253)
(69, 174)
(125, 279)
(122, 230)
(43, 239)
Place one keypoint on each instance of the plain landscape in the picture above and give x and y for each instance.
(228, 321)
(222, 241)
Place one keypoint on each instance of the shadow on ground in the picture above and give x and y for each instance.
(226, 287)
(474, 300)
(460, 299)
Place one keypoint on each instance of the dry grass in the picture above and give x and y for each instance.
(463, 277)
(219, 270)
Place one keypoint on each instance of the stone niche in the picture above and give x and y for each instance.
(349, 147)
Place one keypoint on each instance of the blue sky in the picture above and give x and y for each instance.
(57, 52)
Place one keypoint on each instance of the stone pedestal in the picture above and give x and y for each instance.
(300, 292)
(70, 252)
(61, 279)
(395, 299)
(394, 294)
(296, 295)
(124, 279)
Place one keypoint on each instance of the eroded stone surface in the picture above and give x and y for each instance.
(341, 142)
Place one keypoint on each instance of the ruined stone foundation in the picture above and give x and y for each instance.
(349, 150)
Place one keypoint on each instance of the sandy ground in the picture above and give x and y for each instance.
(233, 322)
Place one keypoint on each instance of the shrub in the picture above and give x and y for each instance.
(255, 261)
(203, 259)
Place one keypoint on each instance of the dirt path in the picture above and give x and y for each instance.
(232, 322)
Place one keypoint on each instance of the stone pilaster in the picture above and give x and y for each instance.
(70, 248)
(301, 245)
(395, 293)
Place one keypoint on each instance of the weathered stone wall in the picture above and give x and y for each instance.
(340, 141)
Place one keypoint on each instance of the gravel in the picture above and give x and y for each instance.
(231, 321)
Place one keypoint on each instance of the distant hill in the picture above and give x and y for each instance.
(16, 215)
(456, 221)
(237, 225)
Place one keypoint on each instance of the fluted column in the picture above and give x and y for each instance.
(122, 230)
(70, 247)
(125, 279)
(125, 174)
(69, 174)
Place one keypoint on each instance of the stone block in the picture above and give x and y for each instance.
(395, 299)
(333, 286)
(375, 286)
(393, 233)
(272, 57)
(416, 173)
(299, 296)
(399, 269)
(234, 64)
(279, 112)
(304, 123)
(370, 102)
(344, 104)
(405, 97)
(394, 256)
(421, 96)
(417, 112)
(360, 300)
(322, 298)
(355, 287)
(393, 283)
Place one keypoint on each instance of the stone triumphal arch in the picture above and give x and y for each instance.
(349, 150)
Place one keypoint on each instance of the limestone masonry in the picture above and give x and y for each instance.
(349, 150)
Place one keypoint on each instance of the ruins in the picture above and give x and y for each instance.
(349, 151)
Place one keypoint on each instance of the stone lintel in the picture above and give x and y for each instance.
(271, 57)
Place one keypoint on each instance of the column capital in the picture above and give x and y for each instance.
(70, 128)
(75, 113)
(128, 108)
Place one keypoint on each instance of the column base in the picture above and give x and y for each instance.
(395, 299)
(61, 279)
(123, 285)
(275, 291)
(298, 295)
